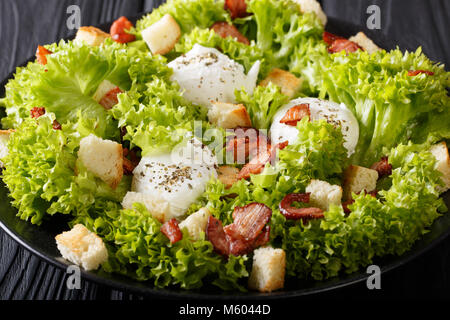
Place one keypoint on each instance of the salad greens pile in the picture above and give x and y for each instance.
(399, 116)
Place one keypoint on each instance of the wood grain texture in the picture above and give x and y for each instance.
(26, 23)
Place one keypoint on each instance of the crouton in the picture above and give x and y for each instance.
(157, 206)
(4, 138)
(228, 115)
(367, 44)
(313, 6)
(104, 87)
(104, 158)
(269, 267)
(288, 83)
(357, 179)
(228, 175)
(82, 247)
(91, 36)
(440, 152)
(162, 36)
(196, 223)
(323, 194)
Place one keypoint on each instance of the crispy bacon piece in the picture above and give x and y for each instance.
(246, 143)
(383, 167)
(56, 125)
(118, 28)
(172, 231)
(413, 73)
(251, 219)
(216, 235)
(36, 112)
(329, 38)
(237, 8)
(129, 164)
(109, 100)
(41, 55)
(343, 44)
(295, 114)
(293, 213)
(345, 204)
(224, 30)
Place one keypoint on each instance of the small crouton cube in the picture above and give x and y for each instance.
(313, 6)
(158, 207)
(104, 158)
(82, 247)
(104, 87)
(4, 138)
(357, 179)
(323, 194)
(196, 223)
(268, 271)
(91, 36)
(288, 83)
(162, 36)
(106, 94)
(228, 175)
(228, 115)
(367, 44)
(440, 152)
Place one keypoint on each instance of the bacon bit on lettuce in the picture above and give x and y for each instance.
(383, 167)
(295, 114)
(216, 235)
(41, 55)
(413, 73)
(118, 28)
(129, 164)
(109, 100)
(343, 44)
(329, 38)
(37, 112)
(246, 143)
(172, 231)
(293, 213)
(56, 125)
(237, 8)
(251, 219)
(345, 204)
(224, 30)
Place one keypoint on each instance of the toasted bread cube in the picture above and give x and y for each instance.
(357, 179)
(268, 271)
(157, 206)
(323, 194)
(162, 36)
(367, 44)
(313, 6)
(196, 223)
(440, 152)
(82, 247)
(91, 36)
(4, 138)
(288, 83)
(104, 158)
(228, 175)
(228, 115)
(104, 87)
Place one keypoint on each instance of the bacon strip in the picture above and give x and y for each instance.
(41, 55)
(413, 73)
(118, 28)
(246, 143)
(343, 44)
(383, 167)
(329, 38)
(293, 213)
(295, 114)
(237, 8)
(36, 112)
(216, 235)
(56, 125)
(172, 231)
(224, 30)
(251, 219)
(109, 100)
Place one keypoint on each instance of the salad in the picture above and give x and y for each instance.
(228, 143)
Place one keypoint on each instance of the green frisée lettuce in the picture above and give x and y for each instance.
(40, 172)
(390, 105)
(189, 14)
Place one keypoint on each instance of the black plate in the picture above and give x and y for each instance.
(40, 240)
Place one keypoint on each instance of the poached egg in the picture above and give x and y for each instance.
(205, 75)
(336, 114)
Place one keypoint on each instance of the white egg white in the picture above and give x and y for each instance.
(205, 75)
(337, 114)
(177, 178)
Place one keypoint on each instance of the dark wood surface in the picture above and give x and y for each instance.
(26, 23)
